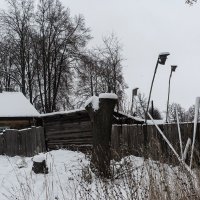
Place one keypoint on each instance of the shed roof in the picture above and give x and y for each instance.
(117, 114)
(15, 104)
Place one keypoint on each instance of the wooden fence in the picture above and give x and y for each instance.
(129, 139)
(26, 142)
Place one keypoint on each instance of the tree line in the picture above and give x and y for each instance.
(140, 105)
(44, 54)
(190, 2)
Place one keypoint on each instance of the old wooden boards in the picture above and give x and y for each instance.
(129, 139)
(72, 131)
(26, 142)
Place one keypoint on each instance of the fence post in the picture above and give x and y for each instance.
(145, 144)
(101, 129)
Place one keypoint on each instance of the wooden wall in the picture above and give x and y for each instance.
(72, 131)
(19, 122)
(27, 142)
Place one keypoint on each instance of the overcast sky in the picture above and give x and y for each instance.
(146, 28)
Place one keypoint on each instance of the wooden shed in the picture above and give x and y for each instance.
(16, 112)
(72, 129)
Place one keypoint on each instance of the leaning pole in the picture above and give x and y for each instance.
(101, 110)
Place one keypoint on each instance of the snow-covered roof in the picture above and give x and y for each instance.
(83, 110)
(65, 112)
(130, 116)
(15, 104)
(149, 122)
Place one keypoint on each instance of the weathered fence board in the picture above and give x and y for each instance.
(129, 139)
(26, 142)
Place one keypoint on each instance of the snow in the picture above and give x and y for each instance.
(62, 112)
(15, 104)
(130, 116)
(24, 129)
(94, 100)
(21, 183)
(21, 163)
(39, 158)
(70, 178)
(95, 106)
(156, 121)
(108, 96)
(149, 122)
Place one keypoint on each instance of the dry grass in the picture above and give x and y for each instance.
(131, 178)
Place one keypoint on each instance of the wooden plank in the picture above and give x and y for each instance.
(75, 140)
(68, 128)
(42, 139)
(1, 145)
(72, 135)
(33, 134)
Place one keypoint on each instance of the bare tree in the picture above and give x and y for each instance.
(140, 106)
(100, 70)
(16, 26)
(88, 75)
(155, 113)
(39, 51)
(110, 59)
(190, 114)
(190, 2)
(9, 81)
(58, 40)
(181, 113)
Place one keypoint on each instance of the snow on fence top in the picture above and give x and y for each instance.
(62, 112)
(15, 104)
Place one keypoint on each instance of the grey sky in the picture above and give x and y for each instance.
(146, 28)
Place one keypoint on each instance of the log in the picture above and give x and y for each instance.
(39, 165)
(101, 119)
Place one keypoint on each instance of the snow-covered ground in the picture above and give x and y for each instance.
(70, 178)
(21, 183)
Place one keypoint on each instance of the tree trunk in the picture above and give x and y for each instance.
(101, 130)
